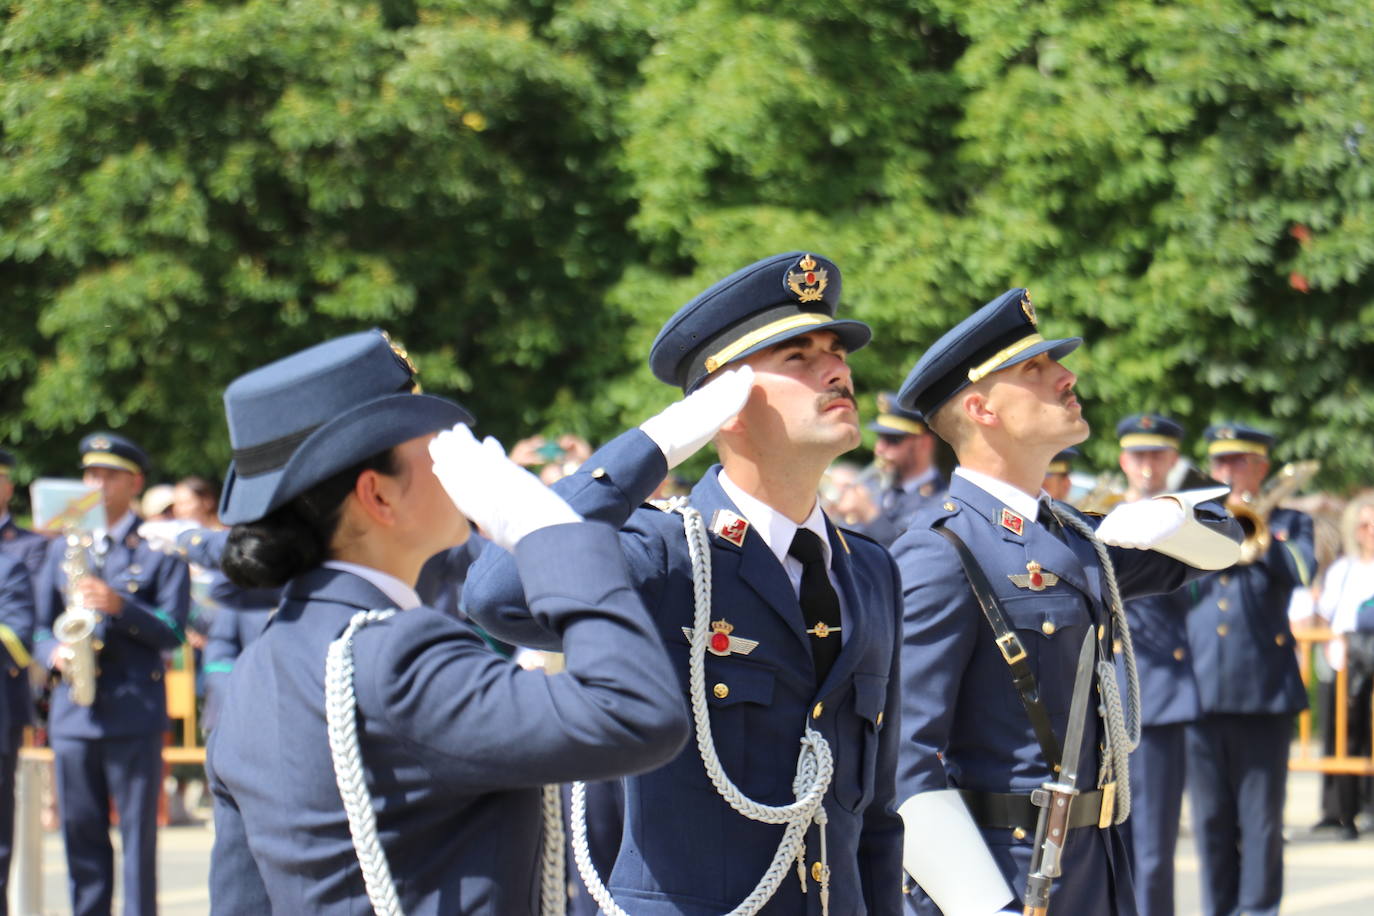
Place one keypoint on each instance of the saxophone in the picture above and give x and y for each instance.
(75, 627)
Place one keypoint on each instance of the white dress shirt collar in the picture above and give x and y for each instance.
(1019, 502)
(402, 595)
(776, 529)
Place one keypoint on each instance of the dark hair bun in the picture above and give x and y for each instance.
(273, 550)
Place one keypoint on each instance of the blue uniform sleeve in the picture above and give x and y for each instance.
(48, 603)
(608, 488)
(1293, 553)
(939, 634)
(880, 843)
(16, 602)
(236, 885)
(615, 709)
(159, 619)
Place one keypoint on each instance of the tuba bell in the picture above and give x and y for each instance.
(1253, 512)
(75, 628)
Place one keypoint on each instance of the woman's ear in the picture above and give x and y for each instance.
(376, 496)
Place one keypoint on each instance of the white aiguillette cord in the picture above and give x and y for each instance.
(815, 765)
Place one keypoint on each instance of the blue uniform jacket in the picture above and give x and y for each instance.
(963, 723)
(456, 740)
(894, 518)
(1159, 630)
(30, 547)
(16, 613)
(245, 612)
(1241, 641)
(685, 851)
(130, 696)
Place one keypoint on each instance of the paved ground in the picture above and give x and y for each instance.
(1323, 876)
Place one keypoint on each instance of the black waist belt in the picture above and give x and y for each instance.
(1003, 811)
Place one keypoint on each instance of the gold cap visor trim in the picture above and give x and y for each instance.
(109, 460)
(758, 335)
(1148, 440)
(1231, 446)
(892, 421)
(991, 365)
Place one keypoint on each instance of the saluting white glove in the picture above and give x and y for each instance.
(504, 499)
(685, 426)
(161, 533)
(1142, 524)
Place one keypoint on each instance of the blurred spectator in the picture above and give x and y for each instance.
(551, 459)
(196, 500)
(156, 504)
(27, 546)
(1348, 584)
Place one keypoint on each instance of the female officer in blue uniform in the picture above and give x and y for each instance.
(335, 491)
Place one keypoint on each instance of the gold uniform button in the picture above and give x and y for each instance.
(1281, 639)
(721, 691)
(133, 587)
(817, 870)
(818, 710)
(1223, 604)
(157, 675)
(1225, 580)
(879, 721)
(949, 507)
(1116, 646)
(1019, 833)
(599, 473)
(1179, 654)
(196, 539)
(1222, 630)
(1047, 628)
(14, 672)
(1101, 631)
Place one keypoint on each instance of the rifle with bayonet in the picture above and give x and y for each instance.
(1055, 797)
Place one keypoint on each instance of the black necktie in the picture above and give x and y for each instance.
(1051, 524)
(819, 603)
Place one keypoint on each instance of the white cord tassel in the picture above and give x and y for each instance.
(341, 720)
(815, 765)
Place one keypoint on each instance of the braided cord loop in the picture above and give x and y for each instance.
(1123, 730)
(553, 888)
(341, 720)
(815, 764)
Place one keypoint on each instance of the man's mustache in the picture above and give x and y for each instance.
(833, 394)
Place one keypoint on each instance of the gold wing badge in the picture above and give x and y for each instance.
(721, 642)
(809, 282)
(1034, 578)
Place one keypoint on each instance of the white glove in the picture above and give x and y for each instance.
(1142, 524)
(504, 499)
(161, 533)
(687, 425)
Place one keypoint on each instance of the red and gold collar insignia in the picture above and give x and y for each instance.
(720, 642)
(1035, 578)
(729, 526)
(1012, 522)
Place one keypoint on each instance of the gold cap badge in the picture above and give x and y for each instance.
(807, 281)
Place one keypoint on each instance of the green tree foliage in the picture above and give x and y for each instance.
(523, 191)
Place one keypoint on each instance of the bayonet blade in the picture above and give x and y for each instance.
(1078, 713)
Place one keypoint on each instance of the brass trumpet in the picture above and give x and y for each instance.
(1253, 512)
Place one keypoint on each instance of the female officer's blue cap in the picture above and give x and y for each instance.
(765, 303)
(997, 336)
(298, 421)
(1146, 432)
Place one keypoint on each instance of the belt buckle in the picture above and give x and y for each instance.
(1011, 648)
(1104, 817)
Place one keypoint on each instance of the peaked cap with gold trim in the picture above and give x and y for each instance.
(755, 307)
(1146, 432)
(1237, 439)
(107, 450)
(895, 420)
(997, 336)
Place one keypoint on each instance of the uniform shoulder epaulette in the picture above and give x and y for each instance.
(663, 505)
(851, 534)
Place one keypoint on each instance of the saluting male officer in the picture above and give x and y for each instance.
(29, 546)
(803, 618)
(1168, 691)
(907, 450)
(16, 704)
(976, 743)
(1247, 674)
(113, 748)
